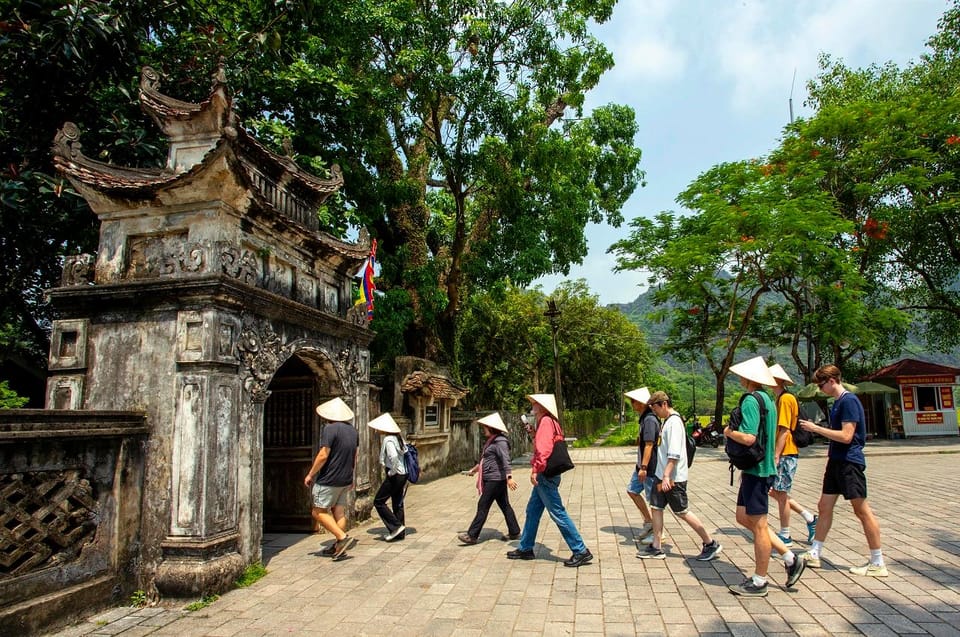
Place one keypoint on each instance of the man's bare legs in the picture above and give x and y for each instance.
(871, 527)
(757, 524)
(641, 503)
(335, 523)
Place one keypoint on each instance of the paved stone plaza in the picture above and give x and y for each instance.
(429, 585)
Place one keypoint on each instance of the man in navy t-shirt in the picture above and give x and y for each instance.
(331, 476)
(845, 471)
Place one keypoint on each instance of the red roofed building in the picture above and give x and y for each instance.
(925, 405)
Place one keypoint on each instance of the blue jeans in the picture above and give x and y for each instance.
(546, 496)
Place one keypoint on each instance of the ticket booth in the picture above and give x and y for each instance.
(926, 398)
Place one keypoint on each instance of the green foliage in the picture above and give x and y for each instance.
(138, 599)
(507, 349)
(587, 423)
(250, 575)
(201, 603)
(9, 398)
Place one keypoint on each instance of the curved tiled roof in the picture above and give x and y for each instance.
(427, 384)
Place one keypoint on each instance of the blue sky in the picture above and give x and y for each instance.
(710, 82)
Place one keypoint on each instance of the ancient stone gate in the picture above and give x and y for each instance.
(213, 288)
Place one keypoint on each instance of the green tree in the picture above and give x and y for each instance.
(508, 348)
(721, 272)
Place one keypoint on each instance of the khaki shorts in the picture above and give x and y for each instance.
(327, 497)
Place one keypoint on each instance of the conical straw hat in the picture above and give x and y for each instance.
(641, 395)
(756, 370)
(547, 401)
(335, 410)
(778, 372)
(385, 423)
(494, 421)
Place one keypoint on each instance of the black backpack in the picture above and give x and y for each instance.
(801, 437)
(743, 456)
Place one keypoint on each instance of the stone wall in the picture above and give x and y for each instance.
(70, 506)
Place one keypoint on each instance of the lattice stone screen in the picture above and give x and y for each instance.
(46, 517)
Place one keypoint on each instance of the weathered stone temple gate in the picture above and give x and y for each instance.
(217, 307)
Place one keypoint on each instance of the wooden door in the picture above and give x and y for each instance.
(289, 426)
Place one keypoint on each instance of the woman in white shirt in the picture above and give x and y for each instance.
(394, 483)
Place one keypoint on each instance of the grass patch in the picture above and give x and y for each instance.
(250, 575)
(203, 602)
(625, 436)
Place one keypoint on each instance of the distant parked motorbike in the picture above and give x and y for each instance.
(709, 435)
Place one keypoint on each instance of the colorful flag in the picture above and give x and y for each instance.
(367, 286)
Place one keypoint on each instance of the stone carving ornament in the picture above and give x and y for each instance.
(240, 264)
(77, 270)
(261, 352)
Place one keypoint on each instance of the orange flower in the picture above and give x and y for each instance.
(953, 140)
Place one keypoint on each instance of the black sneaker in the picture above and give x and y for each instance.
(517, 554)
(747, 588)
(710, 551)
(330, 550)
(652, 553)
(794, 571)
(579, 559)
(509, 537)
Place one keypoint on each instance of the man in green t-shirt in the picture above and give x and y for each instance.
(753, 496)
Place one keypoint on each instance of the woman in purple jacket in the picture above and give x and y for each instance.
(493, 478)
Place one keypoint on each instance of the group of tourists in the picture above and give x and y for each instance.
(662, 472)
(659, 480)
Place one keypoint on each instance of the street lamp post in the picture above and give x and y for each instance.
(552, 315)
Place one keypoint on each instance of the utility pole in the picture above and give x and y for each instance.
(552, 315)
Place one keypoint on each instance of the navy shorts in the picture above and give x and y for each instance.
(754, 494)
(846, 478)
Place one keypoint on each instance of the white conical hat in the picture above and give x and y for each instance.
(494, 421)
(778, 372)
(385, 423)
(641, 395)
(756, 370)
(547, 401)
(335, 410)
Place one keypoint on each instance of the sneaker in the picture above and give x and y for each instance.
(646, 528)
(329, 551)
(466, 539)
(812, 529)
(647, 539)
(579, 559)
(870, 570)
(651, 553)
(393, 535)
(810, 560)
(786, 539)
(747, 588)
(342, 546)
(509, 537)
(710, 551)
(518, 554)
(795, 570)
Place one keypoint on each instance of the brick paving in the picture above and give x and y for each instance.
(430, 585)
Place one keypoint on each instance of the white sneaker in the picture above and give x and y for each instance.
(870, 570)
(647, 539)
(389, 536)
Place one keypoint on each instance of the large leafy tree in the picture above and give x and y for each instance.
(887, 141)
(459, 125)
(757, 261)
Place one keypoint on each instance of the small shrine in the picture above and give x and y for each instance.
(217, 307)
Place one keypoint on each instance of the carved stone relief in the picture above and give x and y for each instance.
(77, 270)
(240, 264)
(261, 352)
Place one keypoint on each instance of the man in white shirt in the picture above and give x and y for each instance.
(670, 486)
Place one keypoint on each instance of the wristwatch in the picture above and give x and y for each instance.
(643, 467)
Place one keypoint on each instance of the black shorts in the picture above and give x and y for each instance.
(754, 493)
(846, 478)
(675, 497)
